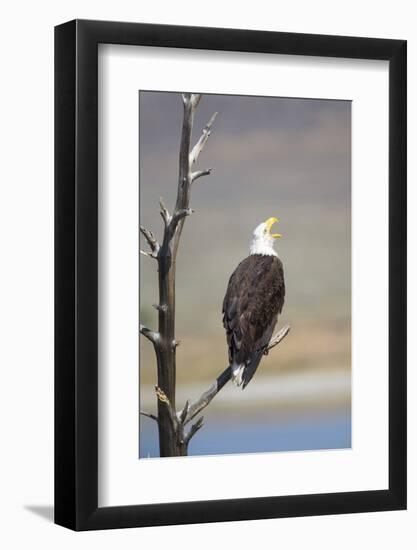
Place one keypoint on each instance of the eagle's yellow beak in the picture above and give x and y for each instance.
(269, 223)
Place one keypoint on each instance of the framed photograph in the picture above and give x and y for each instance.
(230, 252)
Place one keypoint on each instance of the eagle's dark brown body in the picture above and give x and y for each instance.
(254, 298)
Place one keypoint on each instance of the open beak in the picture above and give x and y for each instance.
(269, 223)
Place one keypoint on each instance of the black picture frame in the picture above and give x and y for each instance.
(76, 271)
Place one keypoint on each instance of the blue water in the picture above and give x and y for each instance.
(248, 435)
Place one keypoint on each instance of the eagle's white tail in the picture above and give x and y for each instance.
(237, 374)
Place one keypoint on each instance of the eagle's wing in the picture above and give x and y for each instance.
(254, 298)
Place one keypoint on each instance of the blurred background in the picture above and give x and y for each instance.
(281, 157)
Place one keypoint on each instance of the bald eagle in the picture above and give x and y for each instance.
(253, 300)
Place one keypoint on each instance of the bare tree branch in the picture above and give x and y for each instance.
(149, 415)
(151, 240)
(149, 254)
(195, 100)
(194, 429)
(176, 343)
(205, 398)
(184, 412)
(149, 334)
(178, 216)
(171, 433)
(158, 307)
(200, 173)
(201, 403)
(277, 338)
(184, 178)
(198, 147)
(166, 216)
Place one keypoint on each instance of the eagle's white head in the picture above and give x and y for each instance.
(263, 240)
